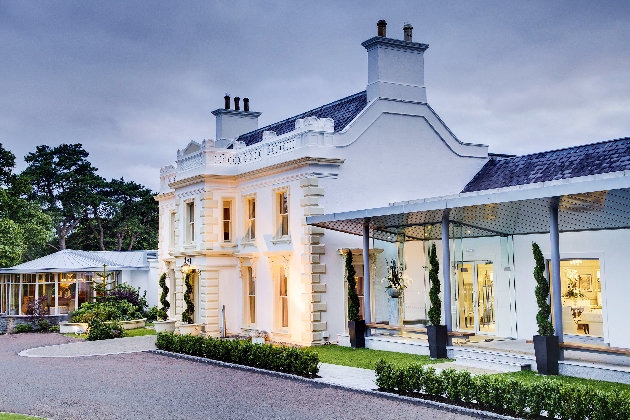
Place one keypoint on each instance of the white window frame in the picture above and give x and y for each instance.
(280, 299)
(248, 295)
(249, 222)
(172, 228)
(189, 219)
(230, 221)
(280, 217)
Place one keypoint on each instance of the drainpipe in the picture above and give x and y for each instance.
(446, 272)
(367, 315)
(556, 286)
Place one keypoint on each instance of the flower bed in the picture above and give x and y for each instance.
(285, 359)
(504, 395)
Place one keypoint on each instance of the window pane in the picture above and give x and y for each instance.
(47, 296)
(28, 297)
(252, 309)
(226, 211)
(252, 229)
(285, 225)
(14, 303)
(226, 231)
(285, 312)
(252, 209)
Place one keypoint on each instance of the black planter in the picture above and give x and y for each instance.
(438, 339)
(357, 334)
(547, 350)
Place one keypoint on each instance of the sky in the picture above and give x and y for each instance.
(134, 81)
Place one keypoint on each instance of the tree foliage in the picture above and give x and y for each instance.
(545, 327)
(163, 311)
(187, 315)
(435, 312)
(353, 297)
(24, 228)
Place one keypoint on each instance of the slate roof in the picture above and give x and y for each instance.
(590, 159)
(74, 260)
(342, 112)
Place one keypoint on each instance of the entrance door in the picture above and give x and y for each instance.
(475, 297)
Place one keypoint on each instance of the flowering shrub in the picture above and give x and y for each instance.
(286, 359)
(505, 395)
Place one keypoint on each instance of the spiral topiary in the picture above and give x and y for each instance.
(545, 327)
(435, 312)
(163, 311)
(187, 316)
(353, 297)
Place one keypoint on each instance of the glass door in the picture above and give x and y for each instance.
(475, 298)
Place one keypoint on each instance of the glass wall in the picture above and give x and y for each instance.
(60, 292)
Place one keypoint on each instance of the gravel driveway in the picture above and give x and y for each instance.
(149, 386)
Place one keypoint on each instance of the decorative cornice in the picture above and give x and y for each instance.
(266, 171)
(394, 43)
(164, 196)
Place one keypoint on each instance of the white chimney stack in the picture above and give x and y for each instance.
(395, 67)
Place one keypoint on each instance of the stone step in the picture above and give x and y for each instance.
(493, 364)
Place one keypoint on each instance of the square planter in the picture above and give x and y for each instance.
(437, 341)
(357, 334)
(547, 349)
(258, 340)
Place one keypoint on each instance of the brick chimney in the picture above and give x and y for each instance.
(232, 123)
(395, 67)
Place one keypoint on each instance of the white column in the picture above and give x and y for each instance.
(556, 286)
(367, 315)
(446, 271)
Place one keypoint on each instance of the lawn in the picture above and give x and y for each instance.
(366, 358)
(10, 416)
(530, 376)
(137, 332)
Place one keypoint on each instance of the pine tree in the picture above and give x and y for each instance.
(353, 297)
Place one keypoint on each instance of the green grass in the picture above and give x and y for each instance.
(530, 376)
(366, 358)
(10, 416)
(128, 333)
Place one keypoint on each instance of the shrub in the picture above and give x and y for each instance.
(106, 311)
(286, 359)
(124, 292)
(163, 312)
(22, 328)
(542, 293)
(506, 395)
(151, 314)
(353, 297)
(187, 315)
(43, 326)
(99, 330)
(435, 312)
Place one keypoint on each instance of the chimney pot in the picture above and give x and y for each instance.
(382, 26)
(246, 104)
(227, 100)
(237, 103)
(407, 29)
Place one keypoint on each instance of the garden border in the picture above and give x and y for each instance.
(417, 401)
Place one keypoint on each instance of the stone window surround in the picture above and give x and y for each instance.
(278, 238)
(232, 201)
(189, 236)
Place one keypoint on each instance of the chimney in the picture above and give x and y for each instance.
(382, 28)
(407, 31)
(395, 67)
(232, 123)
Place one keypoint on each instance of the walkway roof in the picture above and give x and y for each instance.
(593, 202)
(70, 260)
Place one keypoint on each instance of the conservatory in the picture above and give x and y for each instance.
(64, 280)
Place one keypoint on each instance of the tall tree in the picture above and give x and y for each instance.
(24, 228)
(63, 180)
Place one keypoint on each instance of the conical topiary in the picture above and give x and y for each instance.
(435, 312)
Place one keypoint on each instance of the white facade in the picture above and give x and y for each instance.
(395, 149)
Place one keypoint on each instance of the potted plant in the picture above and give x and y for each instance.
(356, 325)
(188, 326)
(163, 324)
(395, 282)
(438, 334)
(546, 344)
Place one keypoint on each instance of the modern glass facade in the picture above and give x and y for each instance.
(61, 292)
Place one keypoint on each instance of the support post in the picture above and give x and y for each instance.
(367, 315)
(556, 286)
(446, 271)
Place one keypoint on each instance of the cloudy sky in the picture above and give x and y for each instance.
(136, 80)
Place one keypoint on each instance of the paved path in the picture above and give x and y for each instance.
(148, 386)
(94, 348)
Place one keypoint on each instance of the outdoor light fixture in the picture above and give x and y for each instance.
(186, 267)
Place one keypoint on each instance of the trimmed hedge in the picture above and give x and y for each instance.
(505, 395)
(285, 359)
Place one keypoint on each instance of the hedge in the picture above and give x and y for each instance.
(505, 395)
(285, 359)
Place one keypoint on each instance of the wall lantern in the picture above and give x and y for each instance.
(186, 267)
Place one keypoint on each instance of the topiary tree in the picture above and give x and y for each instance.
(163, 311)
(435, 312)
(187, 316)
(545, 327)
(353, 297)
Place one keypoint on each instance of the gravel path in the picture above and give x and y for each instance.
(149, 386)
